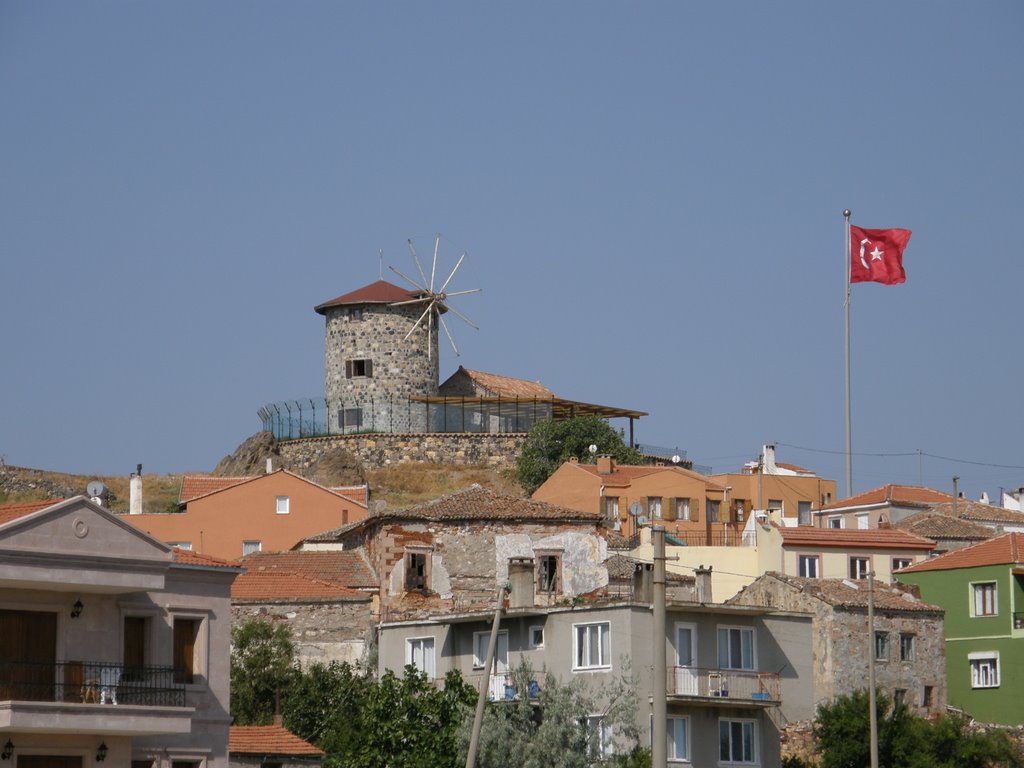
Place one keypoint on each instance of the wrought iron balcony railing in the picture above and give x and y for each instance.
(91, 682)
(733, 684)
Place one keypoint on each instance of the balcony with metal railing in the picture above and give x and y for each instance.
(95, 697)
(724, 686)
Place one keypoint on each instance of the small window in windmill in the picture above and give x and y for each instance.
(350, 418)
(355, 369)
(547, 576)
(415, 570)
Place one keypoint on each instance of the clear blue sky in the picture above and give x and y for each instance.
(651, 196)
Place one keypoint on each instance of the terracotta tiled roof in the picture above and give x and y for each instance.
(348, 567)
(616, 540)
(506, 386)
(621, 567)
(380, 292)
(280, 585)
(794, 468)
(892, 494)
(357, 493)
(194, 486)
(935, 525)
(1001, 550)
(853, 538)
(267, 740)
(188, 557)
(626, 474)
(18, 509)
(846, 593)
(473, 503)
(978, 512)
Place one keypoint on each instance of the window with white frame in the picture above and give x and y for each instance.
(611, 507)
(536, 637)
(835, 522)
(419, 651)
(683, 509)
(803, 513)
(984, 669)
(901, 562)
(593, 645)
(859, 567)
(737, 742)
(984, 598)
(283, 505)
(736, 647)
(678, 733)
(481, 642)
(810, 566)
(862, 521)
(775, 506)
(251, 547)
(599, 737)
(654, 507)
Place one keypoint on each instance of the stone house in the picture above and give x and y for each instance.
(947, 532)
(328, 599)
(453, 553)
(271, 746)
(907, 649)
(97, 613)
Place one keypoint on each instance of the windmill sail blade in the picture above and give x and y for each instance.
(433, 267)
(460, 293)
(416, 325)
(420, 300)
(449, 335)
(450, 276)
(407, 279)
(416, 258)
(465, 319)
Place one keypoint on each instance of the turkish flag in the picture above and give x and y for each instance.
(876, 255)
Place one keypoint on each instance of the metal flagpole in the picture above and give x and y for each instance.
(846, 308)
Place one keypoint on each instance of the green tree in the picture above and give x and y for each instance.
(954, 745)
(551, 443)
(262, 663)
(560, 728)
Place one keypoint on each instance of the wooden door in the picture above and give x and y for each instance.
(28, 655)
(49, 761)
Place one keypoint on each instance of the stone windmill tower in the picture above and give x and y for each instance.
(381, 349)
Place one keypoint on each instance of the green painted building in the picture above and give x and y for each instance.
(981, 587)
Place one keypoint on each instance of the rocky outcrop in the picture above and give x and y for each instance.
(250, 458)
(336, 467)
(333, 467)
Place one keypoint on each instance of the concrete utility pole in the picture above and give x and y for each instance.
(478, 720)
(872, 715)
(659, 739)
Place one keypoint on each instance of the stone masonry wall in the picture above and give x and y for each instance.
(380, 450)
(323, 631)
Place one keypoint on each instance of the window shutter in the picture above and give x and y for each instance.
(369, 368)
(694, 510)
(643, 503)
(348, 369)
(669, 512)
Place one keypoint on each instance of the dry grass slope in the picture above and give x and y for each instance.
(23, 484)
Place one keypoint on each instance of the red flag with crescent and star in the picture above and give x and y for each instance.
(876, 255)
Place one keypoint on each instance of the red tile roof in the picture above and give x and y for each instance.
(853, 538)
(380, 292)
(1002, 550)
(188, 557)
(934, 525)
(846, 593)
(507, 386)
(18, 509)
(625, 474)
(281, 585)
(267, 740)
(891, 494)
(194, 486)
(356, 493)
(976, 511)
(473, 503)
(348, 567)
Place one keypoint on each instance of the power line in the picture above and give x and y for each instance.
(910, 453)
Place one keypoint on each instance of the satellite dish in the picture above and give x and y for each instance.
(676, 458)
(96, 489)
(641, 520)
(592, 448)
(635, 509)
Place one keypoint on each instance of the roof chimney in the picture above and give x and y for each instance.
(135, 492)
(702, 577)
(768, 460)
(605, 464)
(520, 577)
(270, 465)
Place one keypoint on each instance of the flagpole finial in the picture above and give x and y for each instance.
(846, 213)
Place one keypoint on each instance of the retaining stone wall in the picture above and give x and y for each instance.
(323, 632)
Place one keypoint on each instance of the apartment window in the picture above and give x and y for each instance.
(899, 696)
(901, 562)
(356, 369)
(713, 507)
(683, 509)
(654, 508)
(735, 648)
(678, 733)
(927, 695)
(416, 570)
(775, 505)
(737, 741)
(593, 646)
(350, 418)
(739, 512)
(881, 646)
(908, 647)
(600, 741)
(549, 574)
(859, 567)
(536, 637)
(251, 547)
(283, 505)
(984, 669)
(803, 512)
(419, 652)
(136, 632)
(862, 522)
(611, 507)
(186, 645)
(481, 641)
(835, 522)
(180, 544)
(810, 566)
(984, 598)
